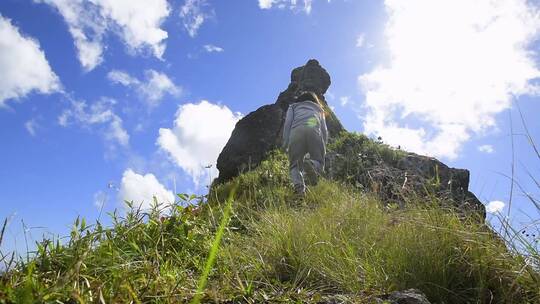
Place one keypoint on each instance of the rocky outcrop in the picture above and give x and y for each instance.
(452, 183)
(409, 178)
(259, 132)
(251, 140)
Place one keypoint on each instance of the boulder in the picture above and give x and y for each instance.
(409, 296)
(259, 132)
(252, 138)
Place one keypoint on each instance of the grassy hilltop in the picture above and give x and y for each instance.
(251, 241)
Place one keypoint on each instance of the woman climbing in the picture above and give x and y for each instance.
(305, 132)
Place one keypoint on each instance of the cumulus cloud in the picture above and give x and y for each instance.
(99, 114)
(210, 48)
(141, 190)
(123, 78)
(136, 22)
(151, 90)
(304, 5)
(486, 149)
(495, 207)
(199, 134)
(194, 13)
(452, 67)
(23, 64)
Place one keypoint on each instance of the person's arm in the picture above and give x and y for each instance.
(324, 130)
(287, 128)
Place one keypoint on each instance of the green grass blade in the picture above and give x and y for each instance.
(214, 249)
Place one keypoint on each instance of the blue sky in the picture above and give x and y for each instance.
(102, 100)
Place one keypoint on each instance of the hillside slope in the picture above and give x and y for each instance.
(341, 244)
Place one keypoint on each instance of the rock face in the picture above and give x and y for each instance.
(260, 131)
(450, 182)
(251, 140)
(406, 179)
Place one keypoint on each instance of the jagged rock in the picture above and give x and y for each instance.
(252, 138)
(409, 296)
(311, 77)
(450, 182)
(259, 132)
(411, 177)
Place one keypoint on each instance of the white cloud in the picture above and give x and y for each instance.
(31, 126)
(141, 190)
(486, 149)
(344, 100)
(212, 48)
(495, 207)
(140, 21)
(24, 68)
(194, 13)
(304, 5)
(266, 4)
(360, 40)
(152, 90)
(122, 78)
(453, 65)
(97, 114)
(199, 134)
(157, 85)
(136, 22)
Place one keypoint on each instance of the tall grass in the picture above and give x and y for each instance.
(524, 240)
(347, 243)
(264, 245)
(144, 256)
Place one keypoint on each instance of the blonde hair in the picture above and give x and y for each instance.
(310, 96)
